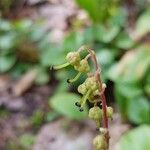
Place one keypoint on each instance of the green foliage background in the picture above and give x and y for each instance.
(124, 60)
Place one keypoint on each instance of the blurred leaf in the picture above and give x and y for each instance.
(143, 24)
(99, 10)
(139, 110)
(147, 83)
(6, 62)
(52, 116)
(42, 76)
(106, 34)
(4, 25)
(123, 41)
(22, 25)
(7, 43)
(136, 139)
(27, 140)
(119, 18)
(123, 93)
(64, 103)
(92, 7)
(105, 57)
(89, 35)
(51, 56)
(73, 41)
(129, 90)
(19, 69)
(132, 67)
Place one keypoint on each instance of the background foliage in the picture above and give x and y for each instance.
(122, 51)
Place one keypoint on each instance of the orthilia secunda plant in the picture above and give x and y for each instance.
(92, 90)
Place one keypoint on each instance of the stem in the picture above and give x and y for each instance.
(101, 94)
(85, 98)
(61, 66)
(75, 78)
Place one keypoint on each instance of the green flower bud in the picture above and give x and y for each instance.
(91, 83)
(83, 66)
(73, 58)
(95, 113)
(96, 92)
(109, 112)
(99, 142)
(82, 89)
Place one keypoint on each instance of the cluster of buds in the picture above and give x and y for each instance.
(96, 114)
(91, 89)
(80, 65)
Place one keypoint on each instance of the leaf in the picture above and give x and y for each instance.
(22, 25)
(73, 41)
(123, 41)
(132, 67)
(7, 43)
(106, 34)
(6, 62)
(105, 57)
(143, 24)
(139, 110)
(64, 103)
(129, 90)
(119, 18)
(42, 76)
(136, 139)
(51, 116)
(92, 7)
(51, 56)
(5, 25)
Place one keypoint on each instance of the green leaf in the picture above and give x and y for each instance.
(106, 34)
(124, 41)
(139, 110)
(52, 116)
(92, 7)
(119, 18)
(136, 139)
(64, 103)
(105, 57)
(42, 76)
(73, 41)
(5, 25)
(132, 67)
(7, 42)
(22, 25)
(143, 24)
(6, 62)
(51, 56)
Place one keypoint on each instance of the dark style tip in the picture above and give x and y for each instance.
(78, 104)
(68, 80)
(81, 109)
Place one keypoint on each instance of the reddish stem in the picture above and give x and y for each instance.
(102, 96)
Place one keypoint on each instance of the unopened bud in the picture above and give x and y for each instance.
(100, 143)
(95, 113)
(73, 58)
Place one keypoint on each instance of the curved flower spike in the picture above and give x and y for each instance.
(84, 99)
(61, 66)
(75, 78)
